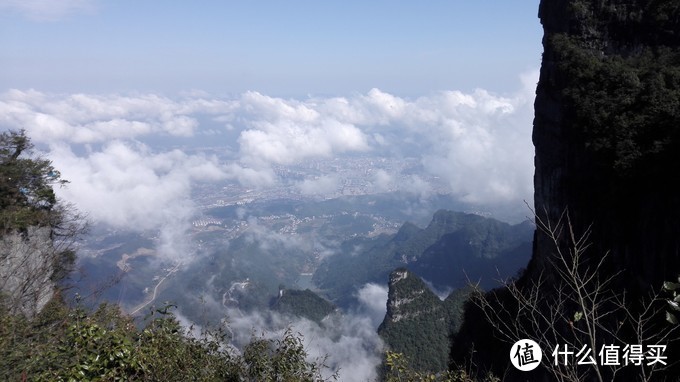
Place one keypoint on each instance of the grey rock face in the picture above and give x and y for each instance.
(26, 268)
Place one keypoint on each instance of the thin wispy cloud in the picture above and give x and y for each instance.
(47, 10)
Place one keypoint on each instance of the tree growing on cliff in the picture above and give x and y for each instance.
(27, 196)
(37, 231)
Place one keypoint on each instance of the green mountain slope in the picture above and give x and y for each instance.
(417, 323)
(303, 303)
(455, 246)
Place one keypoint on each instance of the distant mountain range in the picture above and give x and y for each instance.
(454, 249)
(311, 259)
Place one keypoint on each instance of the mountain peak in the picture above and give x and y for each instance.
(397, 275)
(417, 322)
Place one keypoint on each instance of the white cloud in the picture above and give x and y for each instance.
(251, 177)
(416, 185)
(47, 10)
(323, 185)
(277, 109)
(81, 118)
(287, 142)
(478, 143)
(485, 151)
(373, 302)
(130, 187)
(350, 341)
(383, 181)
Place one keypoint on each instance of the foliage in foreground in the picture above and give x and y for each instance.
(64, 344)
(37, 231)
(577, 306)
(397, 369)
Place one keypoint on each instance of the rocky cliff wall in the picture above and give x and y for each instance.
(26, 269)
(416, 323)
(607, 133)
(607, 140)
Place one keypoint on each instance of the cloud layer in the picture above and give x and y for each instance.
(478, 144)
(128, 185)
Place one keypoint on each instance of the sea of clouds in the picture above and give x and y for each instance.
(479, 143)
(107, 146)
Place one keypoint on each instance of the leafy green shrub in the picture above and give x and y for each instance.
(27, 197)
(64, 344)
(397, 369)
(283, 359)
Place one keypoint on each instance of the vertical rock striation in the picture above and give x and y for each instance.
(417, 323)
(607, 140)
(607, 133)
(26, 270)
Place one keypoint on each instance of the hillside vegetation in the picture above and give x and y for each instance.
(452, 250)
(63, 344)
(418, 324)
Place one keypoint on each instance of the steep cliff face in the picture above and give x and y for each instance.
(607, 132)
(36, 231)
(409, 298)
(417, 323)
(607, 140)
(26, 270)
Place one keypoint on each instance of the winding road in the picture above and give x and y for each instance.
(155, 290)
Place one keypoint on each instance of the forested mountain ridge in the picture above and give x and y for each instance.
(482, 251)
(302, 303)
(417, 323)
(452, 250)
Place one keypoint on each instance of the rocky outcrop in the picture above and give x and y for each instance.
(417, 323)
(607, 140)
(409, 298)
(607, 133)
(26, 270)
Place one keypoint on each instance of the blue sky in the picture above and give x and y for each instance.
(281, 48)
